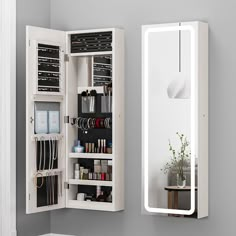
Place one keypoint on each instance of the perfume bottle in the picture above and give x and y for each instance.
(78, 147)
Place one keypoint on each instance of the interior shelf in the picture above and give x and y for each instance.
(90, 182)
(48, 71)
(90, 54)
(47, 98)
(102, 206)
(91, 155)
(102, 64)
(102, 76)
(50, 172)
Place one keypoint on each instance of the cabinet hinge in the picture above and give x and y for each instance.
(66, 119)
(29, 197)
(66, 185)
(29, 43)
(66, 57)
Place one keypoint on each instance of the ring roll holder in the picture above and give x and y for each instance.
(49, 69)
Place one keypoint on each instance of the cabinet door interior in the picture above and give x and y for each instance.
(169, 112)
(45, 109)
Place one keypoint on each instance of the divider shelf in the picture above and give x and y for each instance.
(90, 182)
(91, 155)
(102, 206)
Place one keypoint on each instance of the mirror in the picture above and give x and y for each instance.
(168, 119)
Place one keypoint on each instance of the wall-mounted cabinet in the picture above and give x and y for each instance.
(175, 119)
(75, 91)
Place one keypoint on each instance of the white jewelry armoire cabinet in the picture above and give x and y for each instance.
(74, 119)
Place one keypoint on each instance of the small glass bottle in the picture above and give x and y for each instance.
(109, 168)
(109, 198)
(98, 191)
(104, 166)
(97, 166)
(85, 175)
(76, 174)
(81, 172)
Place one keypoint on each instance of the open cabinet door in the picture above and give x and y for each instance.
(45, 109)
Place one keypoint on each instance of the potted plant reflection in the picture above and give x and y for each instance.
(179, 160)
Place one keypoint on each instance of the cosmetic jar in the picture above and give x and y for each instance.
(81, 196)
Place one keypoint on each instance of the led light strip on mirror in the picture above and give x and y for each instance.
(145, 126)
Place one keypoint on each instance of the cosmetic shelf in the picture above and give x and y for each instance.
(48, 173)
(102, 206)
(90, 182)
(47, 137)
(90, 54)
(91, 155)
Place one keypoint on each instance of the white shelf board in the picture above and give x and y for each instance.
(82, 54)
(47, 86)
(47, 98)
(47, 172)
(91, 155)
(47, 136)
(69, 33)
(52, 72)
(102, 76)
(102, 206)
(102, 64)
(90, 182)
(44, 93)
